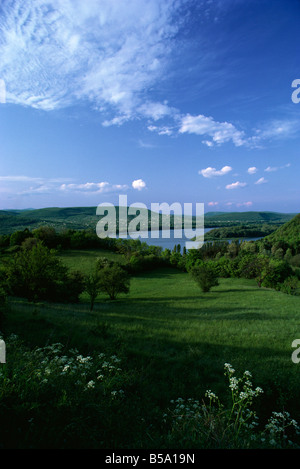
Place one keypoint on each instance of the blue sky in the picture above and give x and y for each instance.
(162, 100)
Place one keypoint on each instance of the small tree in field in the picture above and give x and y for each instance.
(113, 280)
(205, 276)
(92, 287)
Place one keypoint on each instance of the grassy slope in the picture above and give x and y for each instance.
(85, 260)
(177, 337)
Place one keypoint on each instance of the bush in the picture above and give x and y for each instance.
(17, 238)
(275, 273)
(72, 287)
(295, 260)
(291, 286)
(205, 276)
(223, 267)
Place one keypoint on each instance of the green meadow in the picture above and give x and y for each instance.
(174, 338)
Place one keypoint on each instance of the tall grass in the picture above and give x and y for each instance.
(175, 339)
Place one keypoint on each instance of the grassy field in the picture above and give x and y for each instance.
(175, 337)
(85, 259)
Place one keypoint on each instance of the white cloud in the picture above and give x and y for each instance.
(235, 185)
(270, 169)
(139, 184)
(208, 143)
(156, 110)
(277, 129)
(25, 185)
(213, 204)
(244, 204)
(261, 181)
(111, 53)
(2, 91)
(211, 172)
(220, 132)
(161, 130)
(252, 170)
(20, 179)
(56, 52)
(94, 187)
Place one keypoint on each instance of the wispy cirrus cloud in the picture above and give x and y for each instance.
(261, 180)
(276, 129)
(111, 54)
(54, 53)
(271, 169)
(27, 185)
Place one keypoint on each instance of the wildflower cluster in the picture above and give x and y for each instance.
(185, 408)
(67, 376)
(242, 395)
(279, 430)
(214, 425)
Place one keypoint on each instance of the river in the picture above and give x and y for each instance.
(170, 242)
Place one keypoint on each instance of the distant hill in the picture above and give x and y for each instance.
(85, 218)
(247, 217)
(289, 232)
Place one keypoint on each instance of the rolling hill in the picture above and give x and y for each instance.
(289, 232)
(85, 218)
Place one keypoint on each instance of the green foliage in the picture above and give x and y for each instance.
(205, 276)
(241, 231)
(114, 280)
(17, 238)
(287, 236)
(223, 267)
(37, 274)
(295, 260)
(250, 264)
(172, 339)
(47, 235)
(29, 243)
(291, 286)
(211, 424)
(73, 286)
(92, 287)
(274, 273)
(57, 398)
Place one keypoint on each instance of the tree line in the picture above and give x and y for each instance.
(32, 269)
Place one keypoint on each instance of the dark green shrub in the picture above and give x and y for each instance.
(205, 276)
(291, 286)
